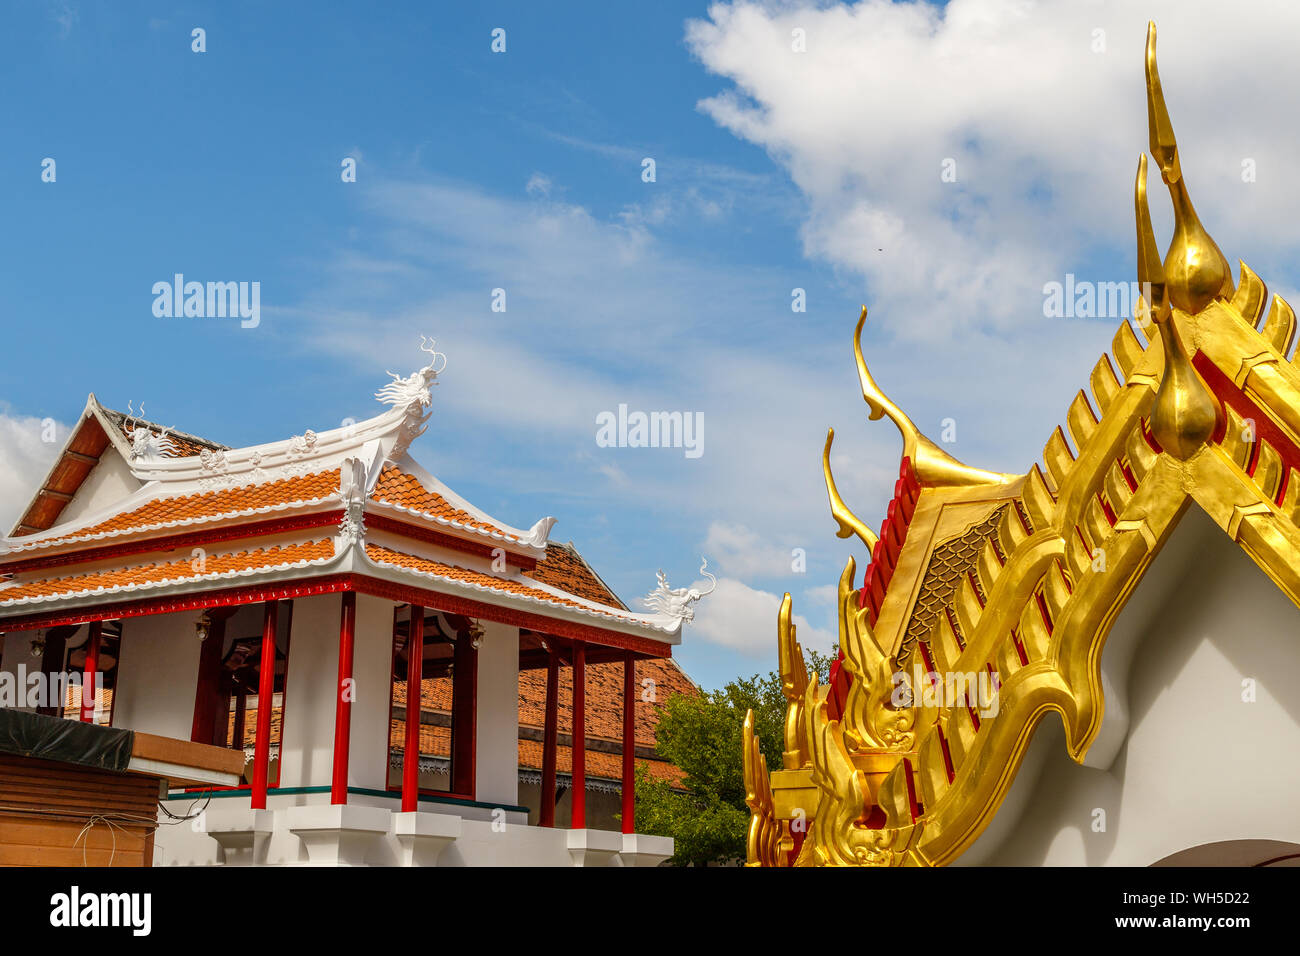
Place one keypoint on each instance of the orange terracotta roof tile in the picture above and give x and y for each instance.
(564, 568)
(382, 555)
(168, 571)
(213, 504)
(396, 487)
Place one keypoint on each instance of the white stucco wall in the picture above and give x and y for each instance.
(372, 663)
(497, 755)
(309, 702)
(1195, 763)
(158, 674)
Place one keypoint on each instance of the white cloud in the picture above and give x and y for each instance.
(25, 458)
(741, 552)
(743, 619)
(539, 184)
(1044, 131)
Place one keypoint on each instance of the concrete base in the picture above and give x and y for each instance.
(642, 849)
(594, 847)
(341, 835)
(242, 834)
(423, 836)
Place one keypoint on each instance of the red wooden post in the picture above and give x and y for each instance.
(208, 701)
(414, 679)
(265, 693)
(629, 744)
(343, 700)
(88, 673)
(578, 818)
(550, 736)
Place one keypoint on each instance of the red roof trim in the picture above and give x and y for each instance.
(362, 584)
(428, 535)
(173, 541)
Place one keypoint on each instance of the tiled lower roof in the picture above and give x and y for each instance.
(145, 575)
(478, 579)
(405, 491)
(564, 568)
(251, 499)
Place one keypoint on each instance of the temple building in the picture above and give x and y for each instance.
(326, 655)
(1092, 662)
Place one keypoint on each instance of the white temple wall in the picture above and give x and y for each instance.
(497, 750)
(372, 669)
(1197, 763)
(309, 702)
(158, 674)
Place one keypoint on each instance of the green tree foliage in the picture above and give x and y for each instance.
(702, 736)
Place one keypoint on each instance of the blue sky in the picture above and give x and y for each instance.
(522, 170)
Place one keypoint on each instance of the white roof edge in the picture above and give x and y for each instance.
(657, 627)
(433, 483)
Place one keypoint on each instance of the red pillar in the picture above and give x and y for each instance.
(414, 675)
(88, 673)
(546, 815)
(629, 744)
(344, 692)
(265, 693)
(578, 818)
(211, 707)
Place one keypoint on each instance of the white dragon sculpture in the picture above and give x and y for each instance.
(678, 602)
(413, 389)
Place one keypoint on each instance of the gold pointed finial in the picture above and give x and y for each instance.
(1196, 271)
(1185, 413)
(933, 465)
(849, 523)
(1150, 269)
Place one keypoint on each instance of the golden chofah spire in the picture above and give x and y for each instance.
(933, 465)
(1196, 272)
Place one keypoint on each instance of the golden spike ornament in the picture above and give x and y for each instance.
(933, 465)
(794, 683)
(1186, 413)
(872, 718)
(849, 523)
(764, 830)
(1194, 273)
(1196, 270)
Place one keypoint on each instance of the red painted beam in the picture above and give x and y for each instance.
(344, 694)
(550, 736)
(265, 694)
(578, 805)
(414, 680)
(330, 584)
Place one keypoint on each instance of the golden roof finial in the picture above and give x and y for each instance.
(1195, 270)
(1185, 413)
(849, 523)
(933, 465)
